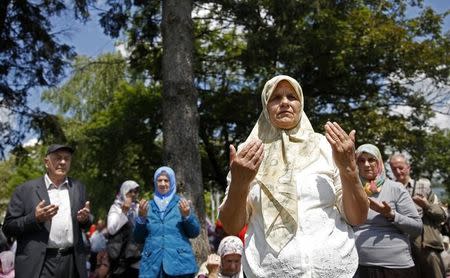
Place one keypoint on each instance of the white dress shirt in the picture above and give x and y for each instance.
(61, 231)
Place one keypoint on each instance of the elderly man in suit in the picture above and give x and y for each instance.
(46, 216)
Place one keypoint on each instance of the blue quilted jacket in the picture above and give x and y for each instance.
(167, 243)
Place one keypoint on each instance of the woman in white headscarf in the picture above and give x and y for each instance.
(124, 208)
(227, 262)
(7, 264)
(123, 252)
(296, 189)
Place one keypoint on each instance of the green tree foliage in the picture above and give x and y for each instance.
(140, 21)
(434, 159)
(115, 126)
(360, 63)
(30, 56)
(121, 143)
(345, 54)
(22, 165)
(357, 61)
(91, 86)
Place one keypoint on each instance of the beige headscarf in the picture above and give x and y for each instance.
(286, 151)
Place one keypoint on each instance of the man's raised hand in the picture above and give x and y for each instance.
(44, 213)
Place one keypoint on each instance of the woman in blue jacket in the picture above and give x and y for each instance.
(165, 224)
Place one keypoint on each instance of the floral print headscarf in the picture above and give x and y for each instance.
(373, 186)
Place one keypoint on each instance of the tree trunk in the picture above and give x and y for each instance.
(3, 13)
(180, 115)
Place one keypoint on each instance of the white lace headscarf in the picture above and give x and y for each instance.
(231, 245)
(285, 151)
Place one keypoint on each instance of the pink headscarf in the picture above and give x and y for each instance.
(7, 260)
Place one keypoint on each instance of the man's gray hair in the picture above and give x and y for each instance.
(399, 155)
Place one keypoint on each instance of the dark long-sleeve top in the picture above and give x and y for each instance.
(383, 243)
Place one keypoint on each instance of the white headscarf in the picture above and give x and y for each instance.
(231, 245)
(285, 151)
(126, 187)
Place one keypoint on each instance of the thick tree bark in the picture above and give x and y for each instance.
(219, 175)
(180, 115)
(3, 12)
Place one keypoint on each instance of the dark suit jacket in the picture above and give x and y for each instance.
(32, 237)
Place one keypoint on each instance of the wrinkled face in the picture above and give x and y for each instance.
(58, 164)
(400, 169)
(231, 264)
(284, 106)
(368, 166)
(100, 225)
(163, 184)
(133, 194)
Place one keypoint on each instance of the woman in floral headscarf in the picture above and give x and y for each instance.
(227, 262)
(295, 189)
(383, 241)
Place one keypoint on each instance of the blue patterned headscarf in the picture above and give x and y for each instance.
(162, 200)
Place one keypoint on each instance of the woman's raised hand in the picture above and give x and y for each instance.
(185, 207)
(143, 208)
(244, 164)
(343, 145)
(127, 205)
(213, 264)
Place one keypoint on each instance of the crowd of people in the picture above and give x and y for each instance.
(298, 204)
